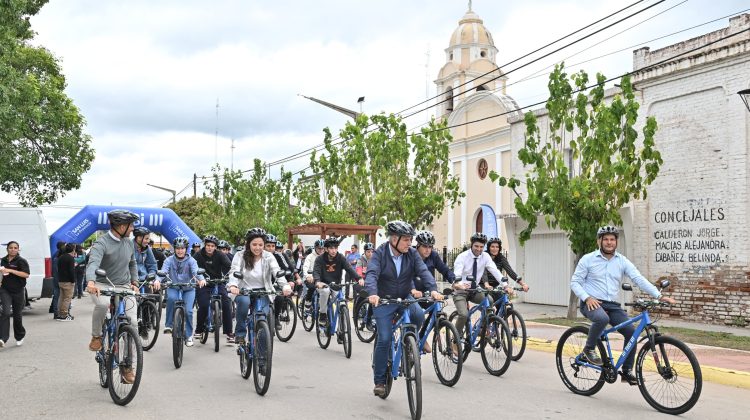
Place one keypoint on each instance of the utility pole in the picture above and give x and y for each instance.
(231, 164)
(427, 76)
(195, 185)
(216, 134)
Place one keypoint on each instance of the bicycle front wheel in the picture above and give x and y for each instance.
(446, 353)
(413, 374)
(577, 377)
(262, 357)
(345, 330)
(321, 332)
(148, 325)
(125, 365)
(246, 362)
(364, 324)
(103, 368)
(671, 379)
(496, 346)
(517, 333)
(178, 336)
(306, 315)
(287, 320)
(216, 320)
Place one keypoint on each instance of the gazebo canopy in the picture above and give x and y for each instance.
(331, 229)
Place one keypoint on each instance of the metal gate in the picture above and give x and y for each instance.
(548, 269)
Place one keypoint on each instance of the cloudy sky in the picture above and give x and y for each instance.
(147, 74)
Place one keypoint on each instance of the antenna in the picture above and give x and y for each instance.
(231, 166)
(216, 134)
(427, 78)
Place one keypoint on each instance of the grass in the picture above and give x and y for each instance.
(688, 335)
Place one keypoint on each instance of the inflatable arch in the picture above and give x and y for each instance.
(92, 218)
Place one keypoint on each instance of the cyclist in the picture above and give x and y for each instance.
(327, 270)
(286, 264)
(391, 272)
(471, 262)
(113, 252)
(596, 281)
(226, 249)
(181, 269)
(144, 256)
(307, 267)
(196, 247)
(259, 269)
(425, 247)
(217, 265)
(368, 248)
(494, 246)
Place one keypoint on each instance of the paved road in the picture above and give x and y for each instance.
(54, 375)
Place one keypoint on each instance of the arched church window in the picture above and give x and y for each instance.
(480, 221)
(483, 53)
(449, 99)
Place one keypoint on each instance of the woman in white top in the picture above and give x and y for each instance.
(259, 269)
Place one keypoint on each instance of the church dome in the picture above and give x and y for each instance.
(471, 30)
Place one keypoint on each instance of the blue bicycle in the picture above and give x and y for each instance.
(338, 323)
(120, 359)
(179, 321)
(213, 318)
(504, 309)
(669, 376)
(256, 352)
(446, 345)
(149, 313)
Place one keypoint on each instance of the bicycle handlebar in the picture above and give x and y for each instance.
(255, 292)
(405, 302)
(114, 292)
(647, 303)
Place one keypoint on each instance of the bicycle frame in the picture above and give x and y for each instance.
(644, 320)
(215, 296)
(405, 326)
(476, 328)
(255, 314)
(432, 314)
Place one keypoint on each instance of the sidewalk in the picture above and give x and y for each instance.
(725, 366)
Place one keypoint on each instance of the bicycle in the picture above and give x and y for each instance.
(488, 334)
(404, 350)
(214, 316)
(504, 309)
(671, 360)
(286, 320)
(338, 323)
(149, 313)
(121, 348)
(364, 322)
(179, 331)
(445, 344)
(256, 352)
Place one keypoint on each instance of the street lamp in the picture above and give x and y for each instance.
(174, 193)
(745, 95)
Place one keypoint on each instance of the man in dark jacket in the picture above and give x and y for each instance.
(159, 254)
(327, 270)
(391, 272)
(66, 275)
(217, 265)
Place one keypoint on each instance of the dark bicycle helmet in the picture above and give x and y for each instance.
(368, 246)
(211, 238)
(494, 240)
(122, 217)
(479, 237)
(141, 231)
(400, 228)
(255, 233)
(180, 242)
(279, 245)
(197, 245)
(270, 238)
(223, 244)
(320, 243)
(607, 230)
(425, 238)
(332, 241)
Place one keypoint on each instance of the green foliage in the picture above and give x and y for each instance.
(197, 212)
(257, 201)
(610, 166)
(380, 173)
(44, 148)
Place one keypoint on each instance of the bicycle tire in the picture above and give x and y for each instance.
(388, 381)
(103, 377)
(324, 338)
(677, 368)
(148, 327)
(517, 332)
(497, 340)
(216, 308)
(365, 330)
(308, 321)
(246, 362)
(262, 357)
(288, 312)
(412, 372)
(178, 336)
(443, 339)
(581, 380)
(345, 328)
(127, 339)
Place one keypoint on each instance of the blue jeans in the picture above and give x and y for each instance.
(243, 305)
(384, 316)
(609, 313)
(55, 296)
(204, 300)
(188, 296)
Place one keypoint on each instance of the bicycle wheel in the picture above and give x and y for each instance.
(125, 365)
(517, 333)
(413, 373)
(262, 357)
(496, 346)
(466, 342)
(448, 364)
(246, 362)
(216, 314)
(671, 379)
(148, 328)
(345, 330)
(580, 379)
(364, 324)
(306, 316)
(287, 320)
(178, 336)
(102, 362)
(388, 381)
(321, 332)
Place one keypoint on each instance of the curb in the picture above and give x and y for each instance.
(731, 377)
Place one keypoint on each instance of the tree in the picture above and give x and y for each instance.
(378, 172)
(258, 201)
(197, 212)
(610, 168)
(44, 148)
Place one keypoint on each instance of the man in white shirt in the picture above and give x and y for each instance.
(307, 269)
(471, 262)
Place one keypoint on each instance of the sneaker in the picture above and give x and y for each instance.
(627, 376)
(592, 357)
(189, 342)
(379, 390)
(198, 334)
(167, 330)
(127, 375)
(2, 344)
(278, 326)
(66, 319)
(230, 338)
(339, 337)
(323, 318)
(95, 344)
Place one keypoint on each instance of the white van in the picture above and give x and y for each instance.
(28, 227)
